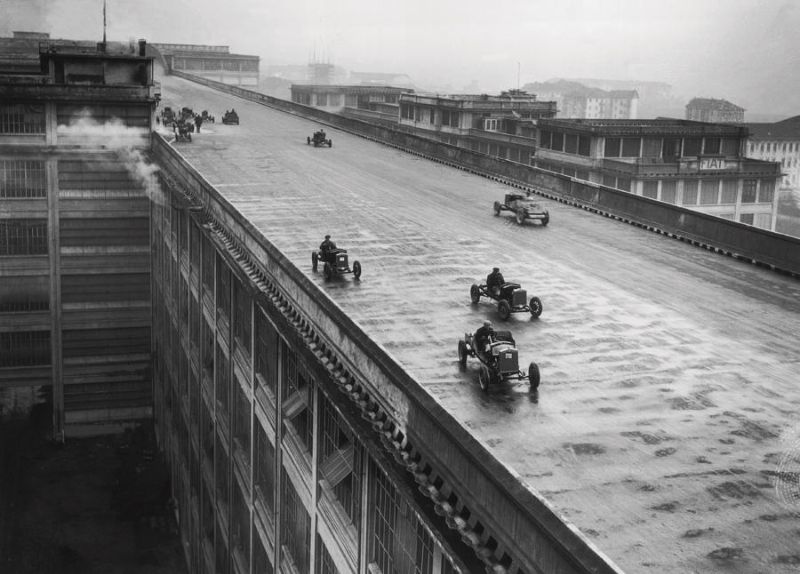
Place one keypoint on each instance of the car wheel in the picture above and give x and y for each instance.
(546, 218)
(314, 260)
(533, 376)
(497, 208)
(475, 293)
(484, 378)
(520, 216)
(327, 270)
(462, 352)
(504, 309)
(330, 143)
(536, 307)
(357, 269)
(308, 141)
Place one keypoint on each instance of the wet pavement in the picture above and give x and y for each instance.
(669, 394)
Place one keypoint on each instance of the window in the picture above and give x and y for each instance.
(650, 189)
(24, 294)
(709, 192)
(749, 190)
(340, 461)
(584, 146)
(624, 183)
(651, 147)
(612, 148)
(335, 99)
(671, 148)
(490, 125)
(25, 349)
(241, 422)
(264, 475)
(691, 147)
(266, 353)
(767, 191)
(668, 191)
(712, 146)
(21, 119)
(242, 320)
(545, 139)
(729, 190)
(690, 192)
(631, 147)
(571, 143)
(746, 218)
(558, 141)
(295, 527)
(22, 179)
(23, 237)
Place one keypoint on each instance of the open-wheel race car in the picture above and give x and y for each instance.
(183, 131)
(510, 297)
(230, 117)
(319, 139)
(523, 207)
(499, 362)
(334, 262)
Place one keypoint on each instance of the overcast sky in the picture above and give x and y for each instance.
(746, 51)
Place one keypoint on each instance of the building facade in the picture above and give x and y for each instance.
(576, 100)
(381, 101)
(778, 142)
(74, 261)
(714, 111)
(697, 165)
(502, 126)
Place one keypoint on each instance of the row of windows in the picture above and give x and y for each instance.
(771, 147)
(630, 147)
(21, 119)
(25, 349)
(396, 535)
(23, 237)
(22, 179)
(568, 143)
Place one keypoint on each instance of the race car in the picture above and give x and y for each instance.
(511, 298)
(499, 360)
(319, 139)
(334, 263)
(523, 207)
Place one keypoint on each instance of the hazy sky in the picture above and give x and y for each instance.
(744, 50)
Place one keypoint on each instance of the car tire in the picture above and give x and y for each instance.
(314, 260)
(536, 307)
(462, 353)
(330, 143)
(484, 378)
(533, 376)
(520, 216)
(308, 141)
(546, 218)
(497, 208)
(475, 293)
(327, 270)
(504, 309)
(357, 270)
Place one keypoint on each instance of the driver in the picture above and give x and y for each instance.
(484, 337)
(327, 246)
(494, 281)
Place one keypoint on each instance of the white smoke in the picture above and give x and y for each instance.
(125, 141)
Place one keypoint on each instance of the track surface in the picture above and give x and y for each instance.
(669, 392)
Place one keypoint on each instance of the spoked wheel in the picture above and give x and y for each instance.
(504, 309)
(533, 376)
(520, 215)
(357, 269)
(327, 271)
(484, 378)
(462, 353)
(497, 208)
(475, 293)
(314, 260)
(536, 307)
(546, 219)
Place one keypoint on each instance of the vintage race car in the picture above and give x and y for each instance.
(319, 139)
(500, 363)
(511, 298)
(523, 207)
(230, 118)
(334, 263)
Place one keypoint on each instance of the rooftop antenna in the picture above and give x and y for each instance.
(104, 22)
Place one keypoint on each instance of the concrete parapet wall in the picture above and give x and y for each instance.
(531, 531)
(781, 252)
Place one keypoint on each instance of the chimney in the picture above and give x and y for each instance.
(142, 46)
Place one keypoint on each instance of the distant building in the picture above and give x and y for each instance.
(576, 100)
(502, 126)
(779, 142)
(697, 165)
(714, 111)
(211, 62)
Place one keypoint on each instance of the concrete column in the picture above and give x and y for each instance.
(57, 360)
